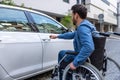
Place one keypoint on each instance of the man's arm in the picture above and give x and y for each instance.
(68, 35)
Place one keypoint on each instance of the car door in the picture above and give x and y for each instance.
(51, 47)
(20, 46)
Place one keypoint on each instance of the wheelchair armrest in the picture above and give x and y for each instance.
(72, 53)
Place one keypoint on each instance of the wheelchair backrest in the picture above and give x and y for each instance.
(97, 56)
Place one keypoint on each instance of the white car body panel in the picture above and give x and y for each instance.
(15, 48)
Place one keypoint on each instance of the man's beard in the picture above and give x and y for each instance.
(74, 22)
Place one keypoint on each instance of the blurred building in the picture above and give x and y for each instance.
(59, 8)
(118, 16)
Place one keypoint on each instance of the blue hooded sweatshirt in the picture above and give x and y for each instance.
(83, 41)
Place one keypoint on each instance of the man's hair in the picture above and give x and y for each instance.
(80, 9)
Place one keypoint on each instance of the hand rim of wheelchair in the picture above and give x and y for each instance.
(87, 66)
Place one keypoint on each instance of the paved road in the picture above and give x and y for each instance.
(112, 50)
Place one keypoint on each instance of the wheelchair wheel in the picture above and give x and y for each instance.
(83, 72)
(113, 70)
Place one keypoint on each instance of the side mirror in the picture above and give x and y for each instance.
(65, 30)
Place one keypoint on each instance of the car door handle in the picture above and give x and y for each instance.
(46, 40)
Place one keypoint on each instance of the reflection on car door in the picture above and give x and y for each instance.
(20, 47)
(51, 47)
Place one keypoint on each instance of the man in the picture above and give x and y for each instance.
(83, 41)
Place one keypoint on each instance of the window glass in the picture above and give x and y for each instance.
(67, 1)
(83, 2)
(13, 20)
(106, 2)
(46, 25)
(78, 1)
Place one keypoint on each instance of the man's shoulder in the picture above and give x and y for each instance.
(87, 24)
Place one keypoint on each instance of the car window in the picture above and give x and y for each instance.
(13, 20)
(46, 25)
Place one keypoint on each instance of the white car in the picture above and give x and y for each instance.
(25, 47)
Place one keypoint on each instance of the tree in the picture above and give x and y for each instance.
(23, 5)
(67, 21)
(7, 2)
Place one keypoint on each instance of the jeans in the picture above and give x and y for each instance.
(66, 60)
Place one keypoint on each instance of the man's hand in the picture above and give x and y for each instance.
(53, 36)
(72, 67)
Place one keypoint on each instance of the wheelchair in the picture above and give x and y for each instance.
(94, 68)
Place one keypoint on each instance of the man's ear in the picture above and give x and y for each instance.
(77, 16)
